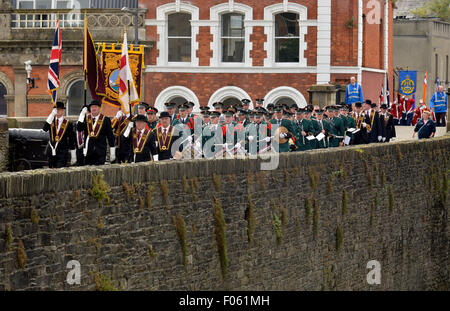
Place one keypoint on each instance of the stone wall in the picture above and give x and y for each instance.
(312, 224)
(4, 145)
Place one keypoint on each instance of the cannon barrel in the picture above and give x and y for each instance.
(28, 134)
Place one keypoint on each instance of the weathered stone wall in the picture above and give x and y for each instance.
(312, 224)
(4, 145)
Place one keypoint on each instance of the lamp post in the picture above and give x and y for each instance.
(135, 12)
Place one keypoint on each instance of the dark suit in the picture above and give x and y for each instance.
(96, 152)
(161, 148)
(387, 126)
(375, 125)
(66, 143)
(143, 155)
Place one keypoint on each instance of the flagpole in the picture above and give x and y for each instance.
(129, 98)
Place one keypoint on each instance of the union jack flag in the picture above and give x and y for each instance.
(55, 63)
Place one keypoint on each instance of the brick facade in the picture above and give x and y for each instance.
(257, 76)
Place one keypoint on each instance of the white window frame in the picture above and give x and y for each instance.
(162, 13)
(53, 6)
(172, 92)
(215, 13)
(227, 92)
(269, 15)
(285, 91)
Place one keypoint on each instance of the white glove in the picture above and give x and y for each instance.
(52, 115)
(82, 114)
(267, 139)
(189, 139)
(198, 145)
(384, 139)
(379, 138)
(119, 114)
(127, 131)
(112, 154)
(155, 158)
(283, 135)
(238, 146)
(73, 157)
(364, 124)
(250, 138)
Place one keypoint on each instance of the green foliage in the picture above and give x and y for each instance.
(350, 23)
(399, 153)
(284, 219)
(339, 238)
(330, 186)
(8, 237)
(103, 283)
(100, 188)
(34, 216)
(217, 180)
(165, 190)
(250, 217)
(221, 239)
(181, 231)
(434, 8)
(344, 202)
(313, 178)
(383, 178)
(21, 254)
(151, 253)
(277, 228)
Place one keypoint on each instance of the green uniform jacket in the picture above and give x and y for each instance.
(337, 129)
(290, 127)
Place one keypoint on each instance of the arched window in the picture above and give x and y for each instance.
(231, 101)
(3, 92)
(233, 38)
(75, 98)
(179, 37)
(287, 38)
(285, 100)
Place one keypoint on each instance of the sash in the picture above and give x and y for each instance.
(372, 116)
(94, 129)
(164, 144)
(55, 135)
(122, 126)
(138, 144)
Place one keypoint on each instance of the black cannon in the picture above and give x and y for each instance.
(27, 148)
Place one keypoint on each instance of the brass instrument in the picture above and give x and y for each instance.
(281, 130)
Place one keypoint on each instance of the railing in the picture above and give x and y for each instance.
(73, 19)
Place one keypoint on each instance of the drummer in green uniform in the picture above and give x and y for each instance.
(283, 129)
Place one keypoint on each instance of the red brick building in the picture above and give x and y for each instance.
(225, 50)
(208, 50)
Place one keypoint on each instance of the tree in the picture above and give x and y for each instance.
(434, 8)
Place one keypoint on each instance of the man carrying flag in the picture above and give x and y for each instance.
(62, 138)
(94, 126)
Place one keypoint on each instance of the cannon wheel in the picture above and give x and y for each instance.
(22, 164)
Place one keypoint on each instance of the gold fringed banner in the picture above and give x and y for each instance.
(110, 66)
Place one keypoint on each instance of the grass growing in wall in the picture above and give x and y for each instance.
(344, 202)
(284, 217)
(286, 177)
(184, 184)
(339, 238)
(391, 199)
(276, 223)
(34, 216)
(129, 190)
(8, 237)
(232, 179)
(313, 179)
(149, 196)
(221, 238)
(21, 254)
(151, 253)
(316, 218)
(194, 229)
(330, 186)
(383, 178)
(104, 283)
(181, 231)
(308, 208)
(250, 218)
(165, 191)
(99, 223)
(100, 189)
(399, 153)
(217, 181)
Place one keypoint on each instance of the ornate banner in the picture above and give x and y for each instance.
(110, 66)
(407, 82)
